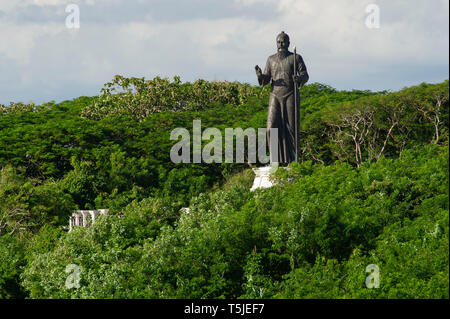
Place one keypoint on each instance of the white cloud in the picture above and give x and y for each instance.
(332, 37)
(20, 41)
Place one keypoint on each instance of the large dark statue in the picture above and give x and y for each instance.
(284, 99)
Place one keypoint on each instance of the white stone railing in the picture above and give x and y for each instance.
(85, 218)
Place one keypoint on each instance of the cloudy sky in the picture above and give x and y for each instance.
(42, 60)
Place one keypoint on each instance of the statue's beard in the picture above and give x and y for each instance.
(282, 52)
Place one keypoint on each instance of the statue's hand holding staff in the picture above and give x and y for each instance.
(296, 79)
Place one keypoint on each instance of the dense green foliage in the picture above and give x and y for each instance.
(372, 188)
(138, 98)
(311, 237)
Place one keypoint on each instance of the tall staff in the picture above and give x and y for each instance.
(295, 104)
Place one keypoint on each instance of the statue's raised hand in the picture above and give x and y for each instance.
(258, 70)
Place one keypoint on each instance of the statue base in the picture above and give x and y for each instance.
(262, 178)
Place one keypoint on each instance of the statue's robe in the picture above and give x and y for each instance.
(281, 115)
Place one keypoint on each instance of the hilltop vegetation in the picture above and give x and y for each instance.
(371, 188)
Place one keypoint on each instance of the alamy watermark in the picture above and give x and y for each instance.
(213, 151)
(73, 279)
(373, 280)
(373, 16)
(73, 19)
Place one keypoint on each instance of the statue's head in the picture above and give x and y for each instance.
(282, 41)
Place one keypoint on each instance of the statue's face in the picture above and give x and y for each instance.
(282, 43)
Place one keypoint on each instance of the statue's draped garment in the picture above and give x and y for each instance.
(281, 114)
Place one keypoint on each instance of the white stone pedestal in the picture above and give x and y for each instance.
(262, 179)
